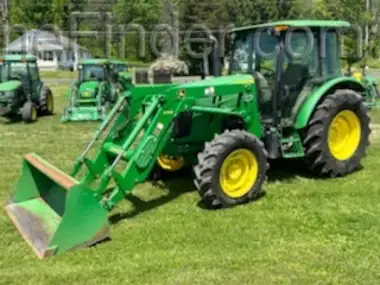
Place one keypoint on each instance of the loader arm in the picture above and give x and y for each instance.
(139, 149)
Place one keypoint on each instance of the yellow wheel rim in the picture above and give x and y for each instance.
(238, 173)
(169, 163)
(34, 114)
(344, 135)
(49, 104)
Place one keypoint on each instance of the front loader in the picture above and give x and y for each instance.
(227, 128)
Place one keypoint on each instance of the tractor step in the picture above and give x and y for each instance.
(291, 147)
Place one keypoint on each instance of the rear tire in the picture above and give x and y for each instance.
(46, 102)
(337, 135)
(231, 169)
(29, 112)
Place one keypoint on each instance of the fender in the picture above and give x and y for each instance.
(311, 101)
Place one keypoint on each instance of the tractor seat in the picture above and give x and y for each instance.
(264, 91)
(264, 95)
(294, 77)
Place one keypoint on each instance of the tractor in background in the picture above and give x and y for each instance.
(22, 93)
(96, 90)
(291, 104)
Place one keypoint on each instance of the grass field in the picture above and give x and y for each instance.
(304, 231)
(58, 74)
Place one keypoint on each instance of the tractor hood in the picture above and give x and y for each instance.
(223, 85)
(9, 85)
(88, 88)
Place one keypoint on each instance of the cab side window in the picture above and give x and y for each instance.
(331, 63)
(33, 68)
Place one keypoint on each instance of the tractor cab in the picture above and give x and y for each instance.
(92, 74)
(285, 58)
(93, 69)
(20, 68)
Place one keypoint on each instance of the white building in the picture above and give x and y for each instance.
(53, 51)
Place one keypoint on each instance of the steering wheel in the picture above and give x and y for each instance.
(16, 76)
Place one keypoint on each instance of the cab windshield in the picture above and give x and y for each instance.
(119, 68)
(13, 71)
(252, 51)
(92, 72)
(259, 50)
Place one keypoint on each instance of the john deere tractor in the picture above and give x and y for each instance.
(95, 91)
(278, 101)
(21, 90)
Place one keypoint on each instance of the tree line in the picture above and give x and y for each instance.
(185, 13)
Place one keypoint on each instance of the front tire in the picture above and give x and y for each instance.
(231, 169)
(46, 102)
(29, 112)
(337, 135)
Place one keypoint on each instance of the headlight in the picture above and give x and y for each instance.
(87, 93)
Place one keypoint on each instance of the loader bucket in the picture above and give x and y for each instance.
(84, 114)
(53, 212)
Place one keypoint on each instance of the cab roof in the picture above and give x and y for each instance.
(117, 61)
(95, 61)
(298, 23)
(102, 61)
(14, 57)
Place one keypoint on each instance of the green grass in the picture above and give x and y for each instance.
(304, 231)
(58, 74)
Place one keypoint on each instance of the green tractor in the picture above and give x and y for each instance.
(21, 90)
(96, 90)
(227, 128)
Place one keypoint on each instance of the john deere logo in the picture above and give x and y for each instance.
(181, 93)
(87, 93)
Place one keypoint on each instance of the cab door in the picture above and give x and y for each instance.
(34, 79)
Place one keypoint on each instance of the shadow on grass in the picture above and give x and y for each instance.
(177, 184)
(286, 169)
(181, 182)
(11, 120)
